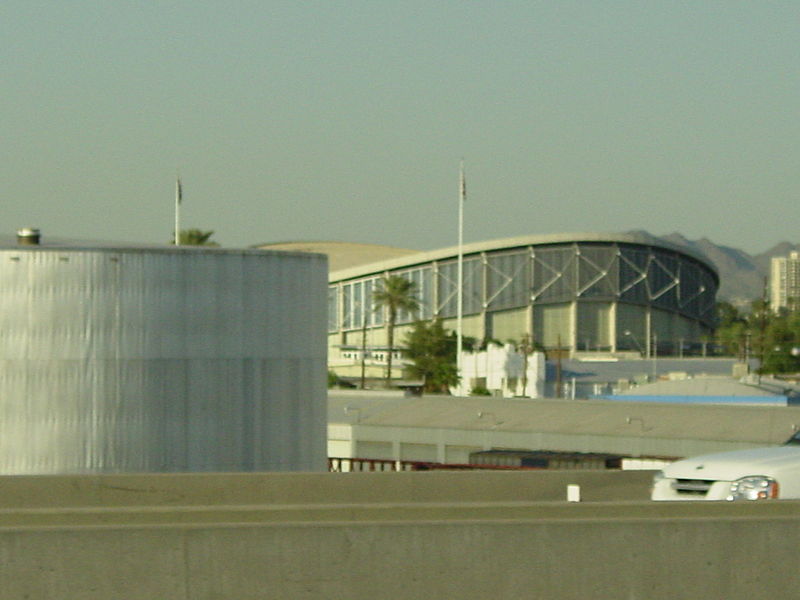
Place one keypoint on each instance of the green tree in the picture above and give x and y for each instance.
(728, 314)
(759, 321)
(738, 333)
(731, 332)
(772, 337)
(733, 338)
(782, 344)
(195, 237)
(432, 350)
(394, 294)
(480, 390)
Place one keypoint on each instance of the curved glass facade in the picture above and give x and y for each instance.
(583, 295)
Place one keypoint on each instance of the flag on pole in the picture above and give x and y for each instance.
(463, 184)
(178, 198)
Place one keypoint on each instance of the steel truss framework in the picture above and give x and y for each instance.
(578, 273)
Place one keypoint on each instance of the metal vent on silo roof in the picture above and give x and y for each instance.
(28, 236)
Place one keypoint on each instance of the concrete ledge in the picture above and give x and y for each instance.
(349, 514)
(209, 489)
(600, 558)
(412, 535)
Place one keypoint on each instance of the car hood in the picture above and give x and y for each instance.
(729, 466)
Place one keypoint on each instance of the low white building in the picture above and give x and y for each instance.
(503, 371)
(388, 428)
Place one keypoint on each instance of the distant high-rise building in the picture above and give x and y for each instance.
(784, 284)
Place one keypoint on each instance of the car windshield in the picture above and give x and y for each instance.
(794, 440)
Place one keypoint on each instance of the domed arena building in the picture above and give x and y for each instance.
(580, 295)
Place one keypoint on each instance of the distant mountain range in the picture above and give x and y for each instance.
(742, 275)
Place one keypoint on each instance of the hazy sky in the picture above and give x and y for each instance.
(347, 120)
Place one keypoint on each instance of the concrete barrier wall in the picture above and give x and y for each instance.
(175, 544)
(599, 558)
(314, 488)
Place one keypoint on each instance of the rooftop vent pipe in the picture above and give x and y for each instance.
(28, 236)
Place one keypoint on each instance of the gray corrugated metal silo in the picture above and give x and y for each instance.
(161, 359)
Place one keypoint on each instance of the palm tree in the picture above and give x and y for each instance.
(195, 237)
(394, 294)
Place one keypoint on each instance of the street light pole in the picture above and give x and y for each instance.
(364, 351)
(655, 356)
(462, 196)
(629, 334)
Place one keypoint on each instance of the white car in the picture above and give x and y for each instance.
(757, 474)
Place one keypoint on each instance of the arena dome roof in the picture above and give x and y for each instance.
(412, 258)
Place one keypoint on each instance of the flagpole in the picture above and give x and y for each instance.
(462, 192)
(178, 195)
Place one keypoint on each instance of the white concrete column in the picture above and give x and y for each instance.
(573, 327)
(612, 325)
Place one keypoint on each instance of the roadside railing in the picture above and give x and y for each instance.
(354, 465)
